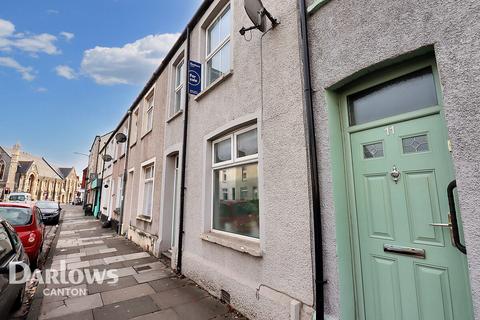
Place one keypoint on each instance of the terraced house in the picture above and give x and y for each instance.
(328, 164)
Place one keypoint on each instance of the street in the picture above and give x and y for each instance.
(146, 287)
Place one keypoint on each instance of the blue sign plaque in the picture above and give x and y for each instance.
(194, 77)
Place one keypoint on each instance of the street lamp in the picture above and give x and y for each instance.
(82, 154)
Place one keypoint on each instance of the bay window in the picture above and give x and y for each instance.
(218, 47)
(235, 168)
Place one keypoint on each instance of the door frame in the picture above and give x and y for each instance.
(347, 235)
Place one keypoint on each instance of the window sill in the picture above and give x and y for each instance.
(245, 246)
(146, 134)
(213, 85)
(133, 144)
(175, 115)
(122, 156)
(144, 218)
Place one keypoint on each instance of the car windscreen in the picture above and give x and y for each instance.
(47, 205)
(16, 216)
(19, 197)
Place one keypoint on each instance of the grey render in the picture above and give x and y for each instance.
(347, 38)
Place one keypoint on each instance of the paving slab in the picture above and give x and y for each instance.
(126, 309)
(152, 275)
(168, 314)
(124, 282)
(124, 294)
(167, 284)
(84, 315)
(204, 309)
(179, 296)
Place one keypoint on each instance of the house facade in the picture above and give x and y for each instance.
(95, 173)
(395, 93)
(329, 163)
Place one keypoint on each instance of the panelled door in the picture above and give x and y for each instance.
(401, 169)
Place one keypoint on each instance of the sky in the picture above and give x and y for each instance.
(69, 70)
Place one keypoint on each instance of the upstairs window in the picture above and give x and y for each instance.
(133, 133)
(149, 113)
(218, 46)
(179, 87)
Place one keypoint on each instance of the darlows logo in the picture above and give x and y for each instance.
(194, 77)
(19, 273)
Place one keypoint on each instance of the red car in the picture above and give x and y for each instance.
(27, 221)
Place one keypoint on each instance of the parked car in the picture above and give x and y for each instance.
(19, 197)
(11, 251)
(50, 211)
(27, 222)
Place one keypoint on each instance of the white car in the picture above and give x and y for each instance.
(20, 197)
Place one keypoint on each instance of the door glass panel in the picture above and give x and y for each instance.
(411, 92)
(415, 144)
(373, 150)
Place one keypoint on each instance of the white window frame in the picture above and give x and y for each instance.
(149, 109)
(178, 88)
(134, 129)
(235, 162)
(144, 165)
(220, 164)
(221, 45)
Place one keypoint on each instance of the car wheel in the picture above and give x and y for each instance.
(57, 220)
(19, 300)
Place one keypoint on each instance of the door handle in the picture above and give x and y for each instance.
(452, 219)
(446, 225)
(455, 233)
(442, 225)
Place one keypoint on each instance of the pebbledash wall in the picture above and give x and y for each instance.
(261, 88)
(349, 39)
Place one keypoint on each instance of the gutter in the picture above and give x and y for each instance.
(313, 164)
(184, 162)
(164, 64)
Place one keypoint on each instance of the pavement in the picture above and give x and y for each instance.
(105, 276)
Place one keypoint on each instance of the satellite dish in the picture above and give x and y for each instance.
(107, 158)
(255, 9)
(257, 13)
(121, 137)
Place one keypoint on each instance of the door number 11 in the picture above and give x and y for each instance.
(390, 130)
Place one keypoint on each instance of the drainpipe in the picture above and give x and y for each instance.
(184, 162)
(125, 171)
(313, 164)
(101, 185)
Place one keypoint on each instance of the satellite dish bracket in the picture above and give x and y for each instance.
(261, 13)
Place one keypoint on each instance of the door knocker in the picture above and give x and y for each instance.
(395, 174)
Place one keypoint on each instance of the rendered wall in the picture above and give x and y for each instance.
(348, 36)
(260, 287)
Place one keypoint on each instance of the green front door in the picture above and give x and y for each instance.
(401, 167)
